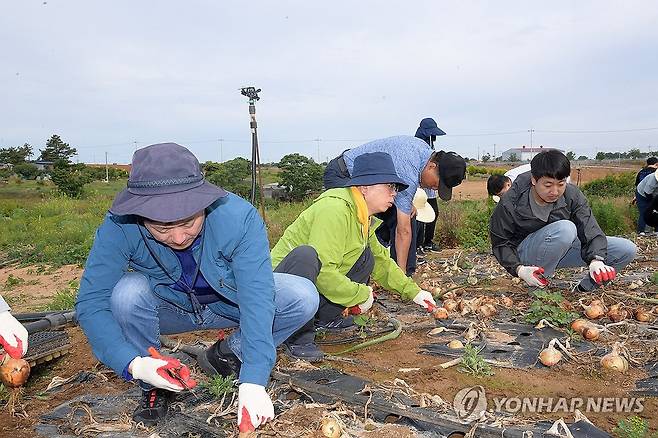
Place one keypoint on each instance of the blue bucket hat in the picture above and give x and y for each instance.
(375, 168)
(427, 128)
(165, 185)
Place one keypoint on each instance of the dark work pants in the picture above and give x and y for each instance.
(386, 235)
(426, 230)
(643, 203)
(304, 262)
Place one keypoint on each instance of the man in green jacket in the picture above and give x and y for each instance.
(333, 244)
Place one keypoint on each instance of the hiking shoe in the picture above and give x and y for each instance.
(432, 248)
(153, 407)
(309, 352)
(339, 323)
(420, 250)
(219, 359)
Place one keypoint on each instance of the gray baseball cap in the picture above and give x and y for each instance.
(165, 185)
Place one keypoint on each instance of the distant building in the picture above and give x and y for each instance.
(525, 153)
(274, 191)
(43, 164)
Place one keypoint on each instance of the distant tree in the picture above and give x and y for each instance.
(26, 170)
(571, 156)
(233, 175)
(600, 156)
(15, 155)
(70, 178)
(300, 175)
(635, 154)
(486, 157)
(583, 157)
(513, 157)
(56, 149)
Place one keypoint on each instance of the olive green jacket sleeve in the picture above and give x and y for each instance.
(388, 274)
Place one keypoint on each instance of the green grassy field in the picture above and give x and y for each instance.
(40, 226)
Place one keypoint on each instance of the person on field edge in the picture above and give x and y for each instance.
(13, 336)
(543, 223)
(427, 131)
(498, 185)
(418, 166)
(645, 191)
(333, 244)
(177, 254)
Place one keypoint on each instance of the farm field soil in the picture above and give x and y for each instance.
(475, 187)
(379, 363)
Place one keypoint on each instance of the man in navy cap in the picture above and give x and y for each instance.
(428, 131)
(176, 254)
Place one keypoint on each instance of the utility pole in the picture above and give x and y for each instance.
(107, 171)
(494, 157)
(478, 153)
(531, 131)
(318, 142)
(135, 143)
(221, 150)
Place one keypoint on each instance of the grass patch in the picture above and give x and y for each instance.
(473, 363)
(634, 427)
(11, 282)
(64, 299)
(219, 386)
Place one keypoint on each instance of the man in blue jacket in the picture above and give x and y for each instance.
(177, 254)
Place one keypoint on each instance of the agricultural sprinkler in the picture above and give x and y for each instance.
(252, 94)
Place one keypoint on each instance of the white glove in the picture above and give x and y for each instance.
(154, 372)
(601, 273)
(254, 407)
(421, 298)
(367, 304)
(532, 275)
(13, 336)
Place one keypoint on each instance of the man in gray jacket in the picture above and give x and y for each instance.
(543, 223)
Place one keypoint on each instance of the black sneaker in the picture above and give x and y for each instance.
(219, 359)
(309, 351)
(339, 323)
(420, 250)
(432, 248)
(153, 407)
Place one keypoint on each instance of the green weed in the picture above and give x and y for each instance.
(547, 306)
(654, 278)
(11, 282)
(220, 386)
(633, 427)
(4, 393)
(64, 299)
(622, 184)
(473, 363)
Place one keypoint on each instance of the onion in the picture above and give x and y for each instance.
(331, 428)
(595, 310)
(440, 313)
(591, 333)
(455, 344)
(642, 315)
(450, 305)
(549, 356)
(578, 325)
(616, 313)
(14, 372)
(614, 361)
(487, 310)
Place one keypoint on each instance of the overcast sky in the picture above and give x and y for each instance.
(114, 75)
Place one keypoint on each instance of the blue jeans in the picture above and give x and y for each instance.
(143, 316)
(643, 203)
(557, 246)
